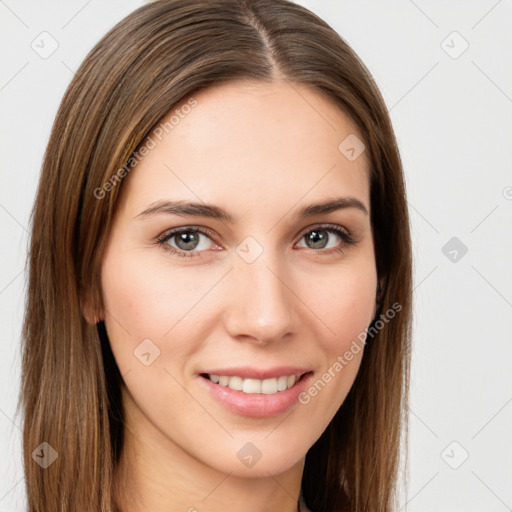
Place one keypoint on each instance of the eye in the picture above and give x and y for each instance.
(187, 239)
(319, 237)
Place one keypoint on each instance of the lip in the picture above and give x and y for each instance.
(256, 405)
(247, 372)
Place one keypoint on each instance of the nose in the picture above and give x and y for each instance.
(262, 307)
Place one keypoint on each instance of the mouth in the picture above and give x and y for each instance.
(256, 398)
(249, 386)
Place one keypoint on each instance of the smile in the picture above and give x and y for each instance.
(250, 386)
(256, 398)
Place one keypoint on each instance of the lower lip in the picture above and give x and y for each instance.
(257, 405)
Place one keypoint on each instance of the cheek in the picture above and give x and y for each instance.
(345, 306)
(146, 298)
(133, 297)
(346, 303)
(140, 304)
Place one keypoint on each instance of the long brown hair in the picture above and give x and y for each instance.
(154, 58)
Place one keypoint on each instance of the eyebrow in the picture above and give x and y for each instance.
(183, 208)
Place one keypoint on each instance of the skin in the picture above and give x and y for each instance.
(261, 152)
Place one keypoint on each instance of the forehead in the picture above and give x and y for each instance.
(251, 144)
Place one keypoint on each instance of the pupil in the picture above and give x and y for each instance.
(187, 240)
(318, 239)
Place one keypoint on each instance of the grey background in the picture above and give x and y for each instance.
(452, 113)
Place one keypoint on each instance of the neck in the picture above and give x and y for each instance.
(155, 474)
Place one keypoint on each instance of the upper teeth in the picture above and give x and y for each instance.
(267, 386)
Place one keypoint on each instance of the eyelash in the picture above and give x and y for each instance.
(346, 236)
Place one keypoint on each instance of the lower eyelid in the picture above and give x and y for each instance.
(346, 237)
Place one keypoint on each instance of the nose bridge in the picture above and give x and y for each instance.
(262, 304)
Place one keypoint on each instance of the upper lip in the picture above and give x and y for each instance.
(247, 372)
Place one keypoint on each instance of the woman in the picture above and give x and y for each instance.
(219, 301)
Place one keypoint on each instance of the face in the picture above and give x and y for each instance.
(269, 289)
